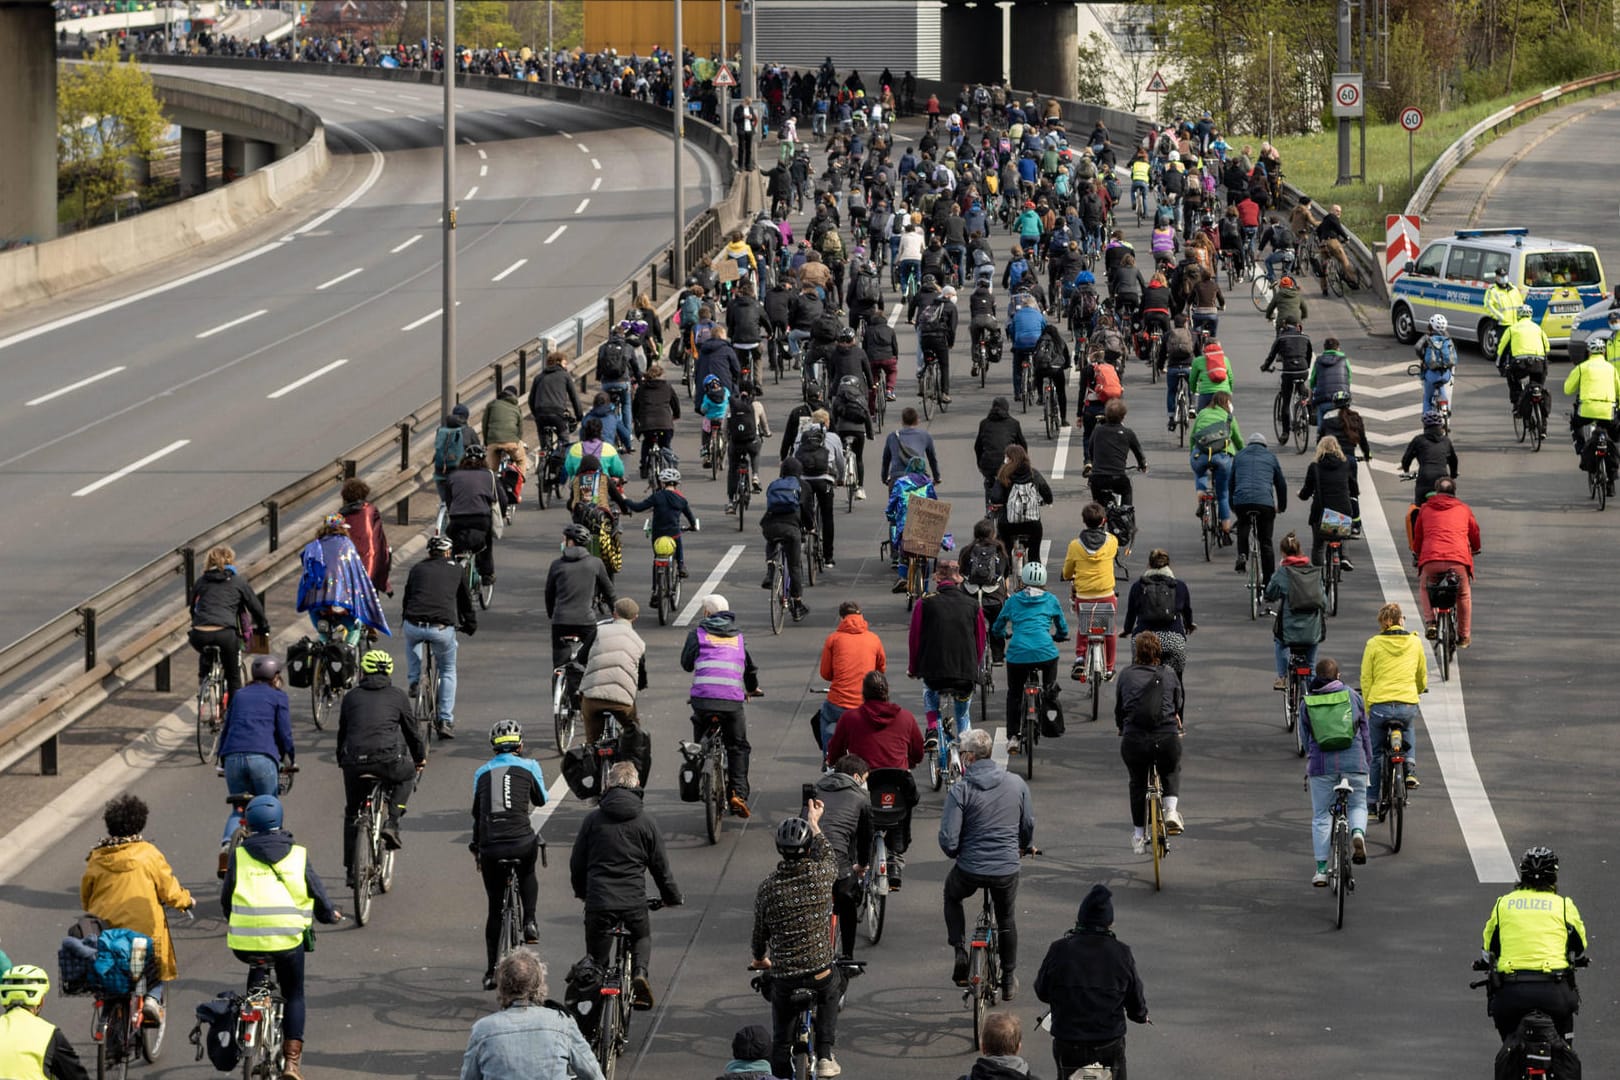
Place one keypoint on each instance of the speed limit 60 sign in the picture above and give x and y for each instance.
(1347, 97)
(1411, 118)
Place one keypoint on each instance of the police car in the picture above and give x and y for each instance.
(1592, 318)
(1558, 280)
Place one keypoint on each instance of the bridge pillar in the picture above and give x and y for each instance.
(256, 154)
(232, 156)
(28, 122)
(193, 161)
(970, 45)
(1048, 48)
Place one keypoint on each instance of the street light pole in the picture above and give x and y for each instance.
(677, 259)
(447, 373)
(1271, 78)
(550, 51)
(725, 92)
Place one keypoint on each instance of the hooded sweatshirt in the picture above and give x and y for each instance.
(1393, 667)
(574, 579)
(987, 821)
(617, 846)
(846, 820)
(1294, 627)
(884, 734)
(848, 654)
(1027, 620)
(127, 883)
(1435, 457)
(1089, 563)
(1000, 1067)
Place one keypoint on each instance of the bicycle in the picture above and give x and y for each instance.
(917, 572)
(849, 481)
(613, 1029)
(1539, 1053)
(1020, 556)
(776, 358)
(1442, 397)
(1332, 275)
(1208, 530)
(984, 968)
(1392, 791)
(1157, 836)
(258, 1024)
(324, 691)
(511, 936)
(1183, 409)
(888, 811)
(803, 1054)
(780, 578)
(508, 478)
(1291, 415)
(666, 583)
(565, 709)
(1098, 620)
(1257, 587)
(1596, 438)
(745, 486)
(717, 447)
(549, 485)
(1299, 677)
(119, 1027)
(981, 360)
(1340, 878)
(1229, 262)
(1262, 291)
(425, 698)
(909, 284)
(1528, 421)
(373, 868)
(929, 386)
(712, 791)
(945, 762)
(1333, 573)
(211, 702)
(1024, 373)
(813, 558)
(984, 679)
(1049, 407)
(1033, 711)
(1443, 593)
(483, 591)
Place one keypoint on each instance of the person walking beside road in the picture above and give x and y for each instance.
(377, 737)
(946, 640)
(437, 604)
(885, 736)
(32, 1048)
(503, 431)
(218, 602)
(617, 846)
(1002, 1045)
(1301, 622)
(849, 653)
(576, 583)
(1394, 672)
(1333, 721)
(743, 122)
(127, 883)
(723, 679)
(1258, 488)
(506, 790)
(256, 739)
(527, 1039)
(271, 897)
(987, 825)
(1089, 979)
(1446, 538)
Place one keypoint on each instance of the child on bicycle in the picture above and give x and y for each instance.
(713, 405)
(668, 507)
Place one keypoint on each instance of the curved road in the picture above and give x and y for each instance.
(557, 204)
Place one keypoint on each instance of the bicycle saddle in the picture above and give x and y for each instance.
(1342, 785)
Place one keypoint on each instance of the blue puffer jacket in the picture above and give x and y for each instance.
(1026, 621)
(258, 721)
(1257, 478)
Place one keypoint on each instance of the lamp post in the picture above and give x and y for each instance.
(447, 372)
(1271, 77)
(677, 258)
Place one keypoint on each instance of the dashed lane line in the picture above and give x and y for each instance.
(555, 233)
(70, 387)
(470, 193)
(510, 269)
(401, 247)
(305, 380)
(583, 203)
(222, 327)
(341, 277)
(596, 183)
(709, 583)
(595, 164)
(114, 477)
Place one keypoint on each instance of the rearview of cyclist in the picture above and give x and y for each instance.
(506, 789)
(30, 1046)
(723, 678)
(1032, 621)
(1530, 937)
(378, 737)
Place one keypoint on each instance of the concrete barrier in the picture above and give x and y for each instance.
(134, 20)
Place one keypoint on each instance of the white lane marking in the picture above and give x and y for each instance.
(536, 123)
(492, 112)
(502, 275)
(595, 164)
(483, 156)
(1397, 368)
(470, 193)
(113, 478)
(1060, 458)
(134, 298)
(483, 171)
(998, 748)
(1400, 412)
(1383, 466)
(468, 141)
(564, 134)
(1398, 438)
(709, 583)
(382, 108)
(70, 387)
(894, 316)
(1383, 391)
(557, 233)
(583, 148)
(583, 203)
(1443, 713)
(340, 277)
(233, 322)
(424, 319)
(596, 183)
(311, 377)
(365, 185)
(406, 244)
(554, 797)
(1046, 551)
(345, 101)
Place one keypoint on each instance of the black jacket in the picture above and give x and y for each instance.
(220, 596)
(846, 820)
(1292, 350)
(745, 320)
(1435, 458)
(436, 594)
(948, 633)
(555, 392)
(376, 725)
(849, 360)
(1027, 474)
(1330, 483)
(1089, 978)
(997, 431)
(943, 331)
(1111, 448)
(777, 304)
(997, 1068)
(576, 578)
(617, 846)
(880, 341)
(804, 311)
(655, 407)
(1136, 682)
(717, 357)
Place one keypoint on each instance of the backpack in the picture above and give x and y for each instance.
(826, 327)
(1088, 303)
(1158, 602)
(832, 246)
(851, 407)
(1537, 1044)
(1150, 706)
(448, 446)
(1048, 355)
(1215, 362)
(611, 361)
(981, 257)
(868, 289)
(1105, 382)
(782, 496)
(1026, 328)
(1023, 503)
(740, 425)
(1016, 271)
(1439, 355)
(931, 319)
(1333, 719)
(812, 452)
(759, 235)
(114, 971)
(1213, 439)
(985, 566)
(1305, 593)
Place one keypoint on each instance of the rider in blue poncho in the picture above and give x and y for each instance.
(335, 585)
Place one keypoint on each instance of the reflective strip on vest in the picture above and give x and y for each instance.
(270, 906)
(25, 1039)
(718, 672)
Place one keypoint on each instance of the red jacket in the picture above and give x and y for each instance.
(1445, 531)
(882, 733)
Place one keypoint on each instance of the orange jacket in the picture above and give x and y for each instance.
(847, 655)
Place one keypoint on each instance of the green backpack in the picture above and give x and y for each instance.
(1333, 719)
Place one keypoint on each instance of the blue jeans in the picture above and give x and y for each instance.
(964, 709)
(829, 723)
(1220, 466)
(1432, 381)
(443, 644)
(958, 256)
(796, 340)
(1282, 652)
(622, 405)
(1271, 262)
(247, 774)
(1322, 809)
(1174, 377)
(1379, 718)
(1322, 409)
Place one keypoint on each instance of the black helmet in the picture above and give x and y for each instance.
(265, 668)
(929, 281)
(793, 838)
(1539, 867)
(579, 534)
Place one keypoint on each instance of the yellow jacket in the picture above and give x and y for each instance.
(1523, 338)
(1393, 668)
(128, 885)
(1503, 304)
(1595, 382)
(1092, 572)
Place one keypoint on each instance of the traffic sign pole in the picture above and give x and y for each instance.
(1411, 120)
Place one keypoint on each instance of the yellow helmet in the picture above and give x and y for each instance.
(24, 984)
(664, 547)
(377, 660)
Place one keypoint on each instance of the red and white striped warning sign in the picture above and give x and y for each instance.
(1400, 244)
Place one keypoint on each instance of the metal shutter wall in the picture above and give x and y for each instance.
(897, 35)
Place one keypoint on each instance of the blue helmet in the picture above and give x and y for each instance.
(263, 814)
(1085, 277)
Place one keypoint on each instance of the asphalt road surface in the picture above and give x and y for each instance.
(1245, 973)
(557, 205)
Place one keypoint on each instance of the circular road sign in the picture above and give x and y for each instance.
(1348, 94)
(1411, 118)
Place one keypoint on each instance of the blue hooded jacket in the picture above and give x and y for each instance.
(1026, 621)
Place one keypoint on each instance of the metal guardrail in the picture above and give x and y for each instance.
(136, 625)
(1465, 145)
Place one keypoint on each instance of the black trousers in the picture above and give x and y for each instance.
(399, 773)
(1060, 386)
(734, 733)
(1003, 896)
(788, 535)
(1070, 1056)
(828, 984)
(599, 940)
(1017, 676)
(559, 647)
(825, 491)
(1515, 1000)
(1266, 519)
(846, 898)
(735, 453)
(471, 532)
(490, 857)
(1142, 750)
(938, 349)
(229, 644)
(1104, 486)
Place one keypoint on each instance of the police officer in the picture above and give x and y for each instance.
(1530, 938)
(1502, 300)
(32, 1048)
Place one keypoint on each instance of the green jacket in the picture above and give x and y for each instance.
(1203, 384)
(503, 422)
(1214, 414)
(1288, 305)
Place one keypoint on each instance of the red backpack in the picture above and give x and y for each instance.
(1215, 362)
(1105, 383)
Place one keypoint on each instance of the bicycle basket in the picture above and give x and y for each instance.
(1443, 590)
(1097, 618)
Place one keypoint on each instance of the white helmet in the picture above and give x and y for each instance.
(1034, 575)
(1175, 155)
(1596, 344)
(1437, 324)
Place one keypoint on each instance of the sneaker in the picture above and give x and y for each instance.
(1358, 848)
(1463, 643)
(1280, 684)
(489, 980)
(1077, 672)
(944, 399)
(681, 573)
(828, 564)
(1009, 986)
(445, 731)
(390, 836)
(860, 494)
(739, 807)
(1319, 879)
(1087, 470)
(888, 395)
(765, 584)
(755, 485)
(828, 1066)
(641, 995)
(931, 743)
(1346, 565)
(1171, 426)
(731, 509)
(152, 1011)
(899, 586)
(531, 934)
(1138, 844)
(1173, 825)
(1108, 676)
(1242, 564)
(894, 879)
(1431, 631)
(800, 611)
(1412, 780)
(959, 971)
(1013, 747)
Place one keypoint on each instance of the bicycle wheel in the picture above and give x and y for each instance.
(928, 392)
(1205, 529)
(1445, 645)
(385, 868)
(875, 906)
(1049, 413)
(1302, 425)
(151, 1038)
(1332, 582)
(1341, 867)
(710, 799)
(1031, 733)
(485, 590)
(362, 868)
(936, 771)
(1600, 490)
(562, 717)
(320, 694)
(779, 600)
(208, 711)
(1396, 779)
(1256, 586)
(916, 580)
(979, 978)
(607, 1037)
(1183, 413)
(424, 704)
(812, 559)
(1155, 823)
(1518, 424)
(1261, 293)
(1335, 279)
(1281, 421)
(1537, 430)
(1096, 678)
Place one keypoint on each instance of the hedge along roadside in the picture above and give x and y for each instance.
(48, 692)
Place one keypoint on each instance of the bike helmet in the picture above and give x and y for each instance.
(439, 545)
(1526, 312)
(265, 668)
(1034, 575)
(1437, 324)
(1596, 344)
(664, 547)
(1341, 398)
(710, 380)
(263, 813)
(377, 661)
(1539, 867)
(847, 334)
(1175, 155)
(579, 534)
(24, 984)
(793, 838)
(1433, 418)
(506, 735)
(929, 281)
(669, 476)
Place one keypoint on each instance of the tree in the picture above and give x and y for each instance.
(1094, 70)
(106, 114)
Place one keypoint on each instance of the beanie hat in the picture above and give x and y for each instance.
(752, 1043)
(1097, 909)
(461, 411)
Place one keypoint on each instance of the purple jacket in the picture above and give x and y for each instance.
(1353, 758)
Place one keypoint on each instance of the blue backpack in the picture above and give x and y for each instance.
(782, 496)
(113, 969)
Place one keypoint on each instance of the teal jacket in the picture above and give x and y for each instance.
(1026, 621)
